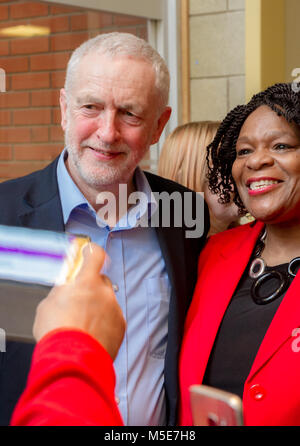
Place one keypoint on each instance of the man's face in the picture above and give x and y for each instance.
(110, 119)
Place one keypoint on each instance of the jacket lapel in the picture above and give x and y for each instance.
(219, 276)
(286, 319)
(41, 207)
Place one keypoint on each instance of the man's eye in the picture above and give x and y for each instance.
(130, 117)
(128, 113)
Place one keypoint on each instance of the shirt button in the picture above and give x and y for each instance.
(257, 392)
(115, 287)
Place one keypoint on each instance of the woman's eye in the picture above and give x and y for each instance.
(282, 146)
(241, 152)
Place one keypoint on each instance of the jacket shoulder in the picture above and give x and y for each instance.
(159, 184)
(229, 234)
(30, 190)
(231, 240)
(19, 186)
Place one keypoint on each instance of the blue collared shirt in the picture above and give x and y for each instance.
(138, 273)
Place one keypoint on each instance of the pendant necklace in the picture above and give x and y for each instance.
(257, 272)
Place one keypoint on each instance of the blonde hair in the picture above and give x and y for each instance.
(183, 156)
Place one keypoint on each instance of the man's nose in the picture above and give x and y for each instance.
(108, 130)
(259, 159)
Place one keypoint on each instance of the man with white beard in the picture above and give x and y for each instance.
(114, 107)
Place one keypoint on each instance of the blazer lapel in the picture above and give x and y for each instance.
(286, 319)
(219, 277)
(47, 216)
(41, 207)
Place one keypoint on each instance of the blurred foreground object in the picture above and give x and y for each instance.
(31, 263)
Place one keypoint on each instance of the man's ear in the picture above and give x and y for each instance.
(63, 108)
(161, 123)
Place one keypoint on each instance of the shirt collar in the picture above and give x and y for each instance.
(71, 197)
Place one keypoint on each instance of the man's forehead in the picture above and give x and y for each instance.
(122, 102)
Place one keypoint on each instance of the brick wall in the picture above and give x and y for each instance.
(30, 133)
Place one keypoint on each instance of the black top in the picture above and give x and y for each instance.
(240, 334)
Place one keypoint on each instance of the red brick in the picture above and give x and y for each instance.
(30, 81)
(14, 64)
(5, 118)
(45, 98)
(14, 134)
(57, 9)
(10, 170)
(127, 20)
(49, 61)
(56, 116)
(3, 12)
(29, 46)
(5, 153)
(56, 24)
(45, 152)
(28, 9)
(142, 32)
(91, 20)
(40, 134)
(32, 116)
(4, 48)
(56, 133)
(70, 41)
(58, 79)
(132, 30)
(14, 99)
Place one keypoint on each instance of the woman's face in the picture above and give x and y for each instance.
(267, 167)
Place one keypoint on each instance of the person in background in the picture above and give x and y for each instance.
(241, 332)
(183, 159)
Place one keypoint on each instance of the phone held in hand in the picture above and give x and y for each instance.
(215, 407)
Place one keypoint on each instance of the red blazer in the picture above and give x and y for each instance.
(272, 389)
(71, 383)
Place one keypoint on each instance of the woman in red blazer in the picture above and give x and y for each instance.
(241, 332)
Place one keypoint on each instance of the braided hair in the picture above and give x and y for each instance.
(283, 99)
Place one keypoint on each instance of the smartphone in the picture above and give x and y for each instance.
(215, 407)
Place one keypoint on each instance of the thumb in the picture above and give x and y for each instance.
(93, 259)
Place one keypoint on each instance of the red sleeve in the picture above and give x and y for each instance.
(71, 382)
